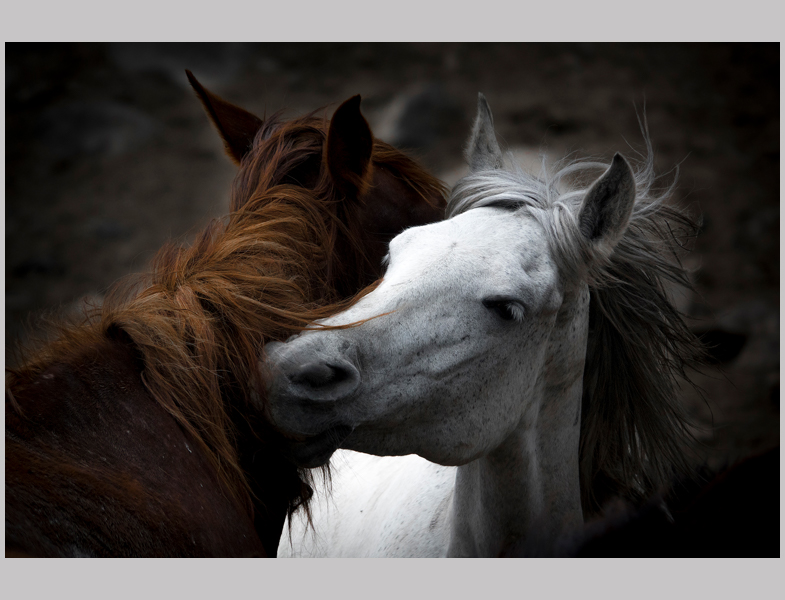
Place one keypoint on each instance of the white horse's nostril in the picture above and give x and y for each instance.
(322, 381)
(316, 375)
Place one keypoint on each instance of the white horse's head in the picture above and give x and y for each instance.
(479, 320)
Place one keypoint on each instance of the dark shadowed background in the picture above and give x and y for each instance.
(109, 154)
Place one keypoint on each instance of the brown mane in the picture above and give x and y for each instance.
(200, 318)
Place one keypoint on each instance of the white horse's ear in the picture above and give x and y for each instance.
(606, 208)
(482, 151)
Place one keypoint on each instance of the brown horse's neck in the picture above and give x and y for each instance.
(75, 487)
(275, 483)
(199, 322)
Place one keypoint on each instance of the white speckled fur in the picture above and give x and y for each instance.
(501, 398)
(496, 401)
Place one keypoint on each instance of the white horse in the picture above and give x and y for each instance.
(522, 353)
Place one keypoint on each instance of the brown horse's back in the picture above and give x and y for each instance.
(96, 467)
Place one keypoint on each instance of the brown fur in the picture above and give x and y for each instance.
(95, 466)
(294, 248)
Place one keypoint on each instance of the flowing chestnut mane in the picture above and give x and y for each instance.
(294, 248)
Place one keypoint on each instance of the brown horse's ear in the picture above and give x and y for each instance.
(349, 149)
(236, 126)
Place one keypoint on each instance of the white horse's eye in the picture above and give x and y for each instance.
(506, 308)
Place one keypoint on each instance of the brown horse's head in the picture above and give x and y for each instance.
(375, 190)
(314, 206)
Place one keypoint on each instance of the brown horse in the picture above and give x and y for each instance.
(142, 430)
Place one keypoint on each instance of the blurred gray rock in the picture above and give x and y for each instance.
(424, 117)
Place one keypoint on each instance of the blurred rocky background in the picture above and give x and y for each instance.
(109, 154)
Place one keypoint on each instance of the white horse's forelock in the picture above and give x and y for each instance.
(550, 200)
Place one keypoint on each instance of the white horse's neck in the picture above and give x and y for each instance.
(527, 492)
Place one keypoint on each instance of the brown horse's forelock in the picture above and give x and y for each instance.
(280, 147)
(201, 316)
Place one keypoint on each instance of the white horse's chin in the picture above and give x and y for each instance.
(397, 443)
(317, 450)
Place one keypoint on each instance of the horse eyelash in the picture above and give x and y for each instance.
(517, 311)
(505, 308)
